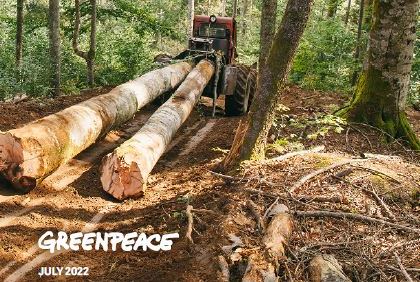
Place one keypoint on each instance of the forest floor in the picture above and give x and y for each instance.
(350, 169)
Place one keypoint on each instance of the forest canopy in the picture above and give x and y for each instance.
(130, 33)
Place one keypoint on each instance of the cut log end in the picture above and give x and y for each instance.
(121, 180)
(11, 157)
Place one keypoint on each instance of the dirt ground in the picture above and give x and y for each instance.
(71, 199)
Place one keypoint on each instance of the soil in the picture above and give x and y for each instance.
(72, 200)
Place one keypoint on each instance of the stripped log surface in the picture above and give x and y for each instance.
(124, 172)
(326, 268)
(32, 152)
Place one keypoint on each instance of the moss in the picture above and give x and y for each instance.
(369, 105)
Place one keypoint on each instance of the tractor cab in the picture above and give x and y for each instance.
(211, 33)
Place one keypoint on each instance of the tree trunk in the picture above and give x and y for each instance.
(19, 37)
(346, 19)
(89, 56)
(54, 36)
(124, 172)
(332, 8)
(251, 135)
(191, 9)
(34, 151)
(244, 12)
(359, 36)
(268, 28)
(223, 12)
(235, 8)
(381, 93)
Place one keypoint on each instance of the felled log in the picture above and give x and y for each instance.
(34, 151)
(124, 172)
(326, 268)
(261, 266)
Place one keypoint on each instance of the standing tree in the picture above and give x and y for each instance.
(359, 37)
(90, 55)
(268, 28)
(332, 8)
(346, 19)
(190, 17)
(54, 36)
(235, 8)
(251, 135)
(19, 36)
(244, 12)
(381, 93)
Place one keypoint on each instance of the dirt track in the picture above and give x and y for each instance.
(72, 200)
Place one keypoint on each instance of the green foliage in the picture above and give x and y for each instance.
(324, 60)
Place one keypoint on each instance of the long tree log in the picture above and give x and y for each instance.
(32, 152)
(124, 172)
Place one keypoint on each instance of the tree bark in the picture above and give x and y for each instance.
(262, 266)
(89, 56)
(346, 19)
(251, 135)
(244, 12)
(191, 9)
(19, 36)
(235, 8)
(124, 172)
(381, 93)
(326, 268)
(359, 36)
(268, 28)
(54, 37)
(332, 8)
(34, 151)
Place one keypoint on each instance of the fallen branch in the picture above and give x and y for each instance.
(224, 269)
(256, 214)
(325, 268)
(402, 268)
(293, 154)
(308, 177)
(378, 200)
(378, 172)
(190, 218)
(344, 215)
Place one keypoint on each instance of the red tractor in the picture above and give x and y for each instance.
(215, 38)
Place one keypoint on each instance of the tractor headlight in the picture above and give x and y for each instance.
(213, 18)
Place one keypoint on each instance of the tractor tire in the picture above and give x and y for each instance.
(238, 103)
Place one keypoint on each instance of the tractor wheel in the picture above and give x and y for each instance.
(238, 103)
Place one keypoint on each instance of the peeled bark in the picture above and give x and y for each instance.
(34, 151)
(124, 172)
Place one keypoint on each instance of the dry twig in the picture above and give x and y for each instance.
(380, 202)
(402, 268)
(355, 216)
(256, 214)
(293, 154)
(308, 177)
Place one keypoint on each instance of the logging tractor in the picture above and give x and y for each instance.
(215, 38)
